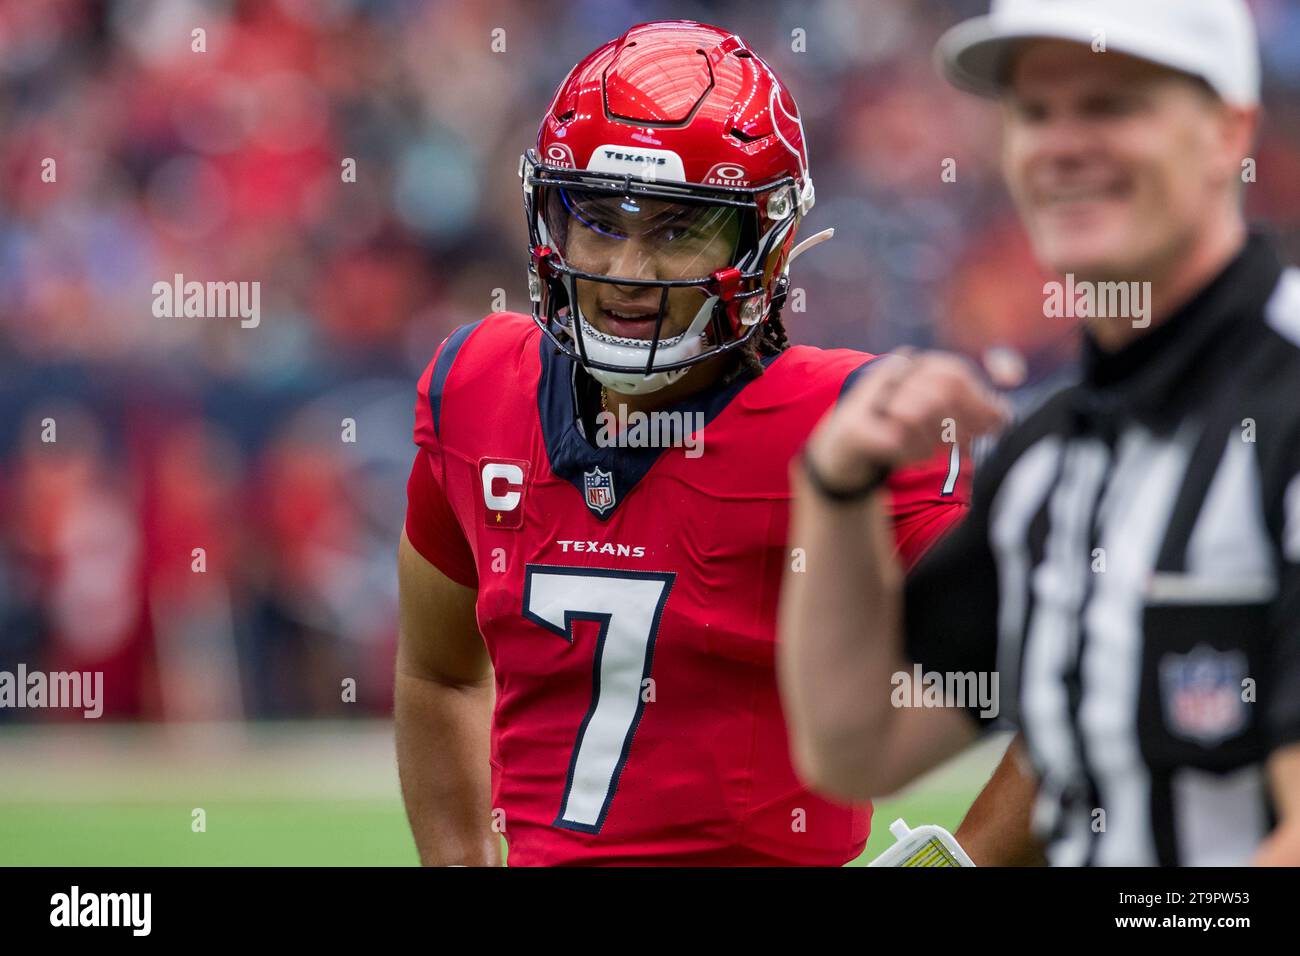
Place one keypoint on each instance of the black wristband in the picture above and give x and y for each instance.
(879, 475)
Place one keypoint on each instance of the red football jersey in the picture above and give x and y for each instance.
(627, 598)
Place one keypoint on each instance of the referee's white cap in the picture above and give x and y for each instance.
(1212, 39)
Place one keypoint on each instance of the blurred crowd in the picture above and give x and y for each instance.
(186, 444)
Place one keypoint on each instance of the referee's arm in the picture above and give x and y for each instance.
(842, 637)
(1282, 848)
(1281, 696)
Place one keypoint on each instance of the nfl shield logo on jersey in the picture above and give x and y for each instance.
(599, 488)
(1202, 694)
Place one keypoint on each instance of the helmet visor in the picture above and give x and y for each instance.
(641, 238)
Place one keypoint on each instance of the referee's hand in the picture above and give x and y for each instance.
(903, 408)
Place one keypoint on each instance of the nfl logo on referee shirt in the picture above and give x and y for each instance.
(598, 486)
(1202, 694)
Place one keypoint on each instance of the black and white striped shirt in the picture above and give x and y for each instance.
(1130, 568)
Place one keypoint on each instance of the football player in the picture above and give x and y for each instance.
(586, 660)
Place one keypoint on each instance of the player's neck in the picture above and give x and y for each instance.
(1174, 283)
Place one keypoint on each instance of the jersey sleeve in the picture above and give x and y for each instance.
(927, 501)
(950, 596)
(431, 523)
(432, 389)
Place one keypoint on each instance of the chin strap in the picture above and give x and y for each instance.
(782, 288)
(815, 239)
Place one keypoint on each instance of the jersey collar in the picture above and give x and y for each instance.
(587, 467)
(1154, 376)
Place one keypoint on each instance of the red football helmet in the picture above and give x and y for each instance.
(678, 134)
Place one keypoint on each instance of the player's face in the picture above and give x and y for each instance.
(638, 238)
(1112, 161)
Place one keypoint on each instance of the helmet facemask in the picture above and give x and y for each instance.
(638, 281)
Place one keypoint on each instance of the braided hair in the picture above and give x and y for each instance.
(770, 340)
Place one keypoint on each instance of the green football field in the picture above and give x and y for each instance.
(321, 794)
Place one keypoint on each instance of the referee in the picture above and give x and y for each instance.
(1128, 577)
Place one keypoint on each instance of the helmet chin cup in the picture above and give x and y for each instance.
(631, 355)
(636, 384)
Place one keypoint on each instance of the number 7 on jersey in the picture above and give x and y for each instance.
(628, 606)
